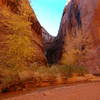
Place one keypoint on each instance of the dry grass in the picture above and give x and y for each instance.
(55, 73)
(58, 71)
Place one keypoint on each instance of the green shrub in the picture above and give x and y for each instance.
(47, 73)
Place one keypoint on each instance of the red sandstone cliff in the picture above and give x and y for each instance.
(21, 45)
(47, 38)
(80, 31)
(12, 11)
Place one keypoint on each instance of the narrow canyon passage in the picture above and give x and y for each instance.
(30, 56)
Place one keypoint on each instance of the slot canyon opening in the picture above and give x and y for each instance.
(54, 51)
(49, 14)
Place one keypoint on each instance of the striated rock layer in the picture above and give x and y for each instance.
(47, 38)
(49, 46)
(21, 44)
(80, 31)
(53, 47)
(18, 18)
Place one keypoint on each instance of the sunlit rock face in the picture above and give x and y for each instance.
(68, 1)
(18, 21)
(21, 44)
(80, 31)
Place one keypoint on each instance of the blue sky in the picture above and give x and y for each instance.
(49, 13)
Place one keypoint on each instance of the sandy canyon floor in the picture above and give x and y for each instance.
(84, 91)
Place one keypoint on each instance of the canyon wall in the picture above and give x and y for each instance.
(18, 20)
(47, 38)
(49, 46)
(21, 44)
(80, 33)
(53, 47)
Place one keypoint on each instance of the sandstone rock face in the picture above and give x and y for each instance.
(47, 38)
(80, 31)
(49, 46)
(52, 46)
(18, 18)
(21, 44)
